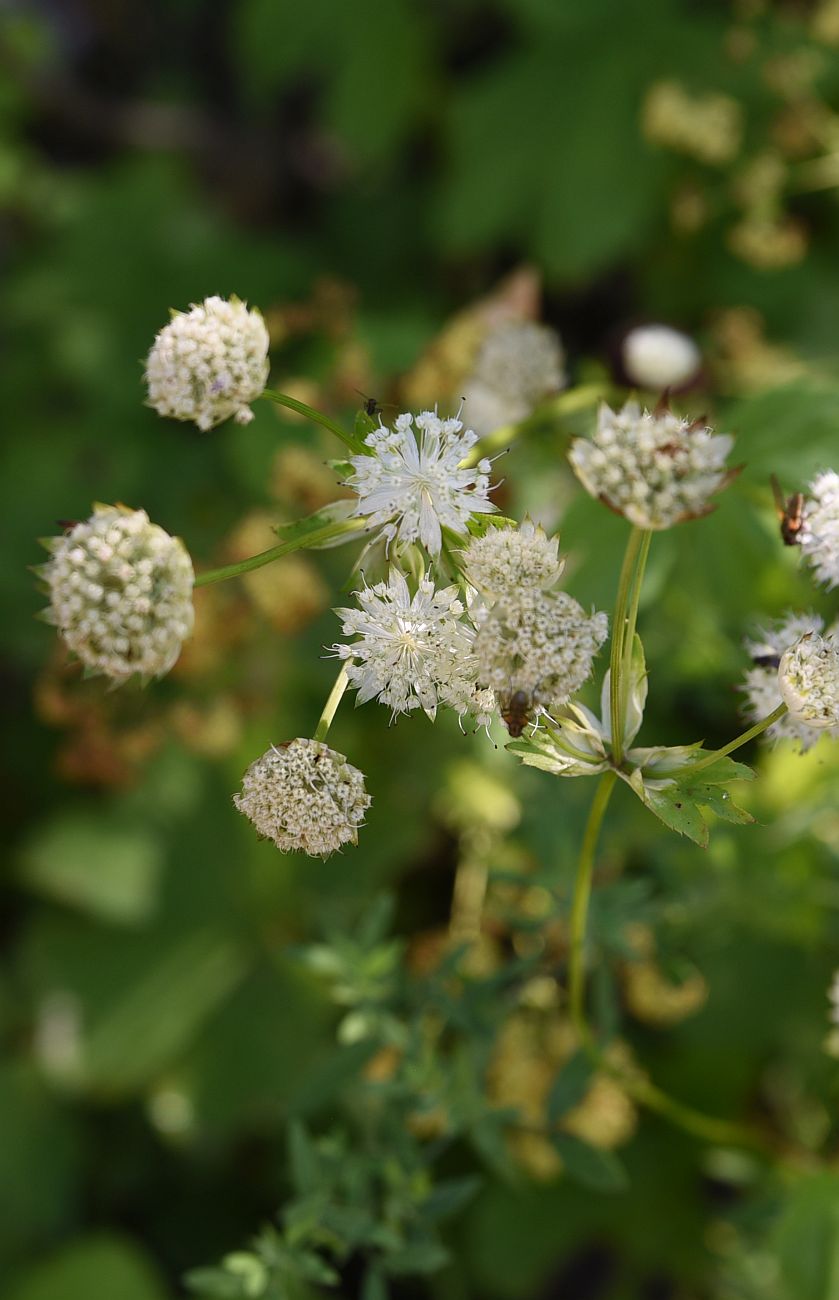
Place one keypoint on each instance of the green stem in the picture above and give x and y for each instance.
(618, 633)
(317, 417)
(632, 618)
(315, 538)
(579, 906)
(330, 708)
(742, 739)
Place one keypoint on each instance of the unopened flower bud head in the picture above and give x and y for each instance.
(819, 535)
(809, 680)
(209, 363)
(762, 686)
(120, 593)
(657, 357)
(538, 643)
(654, 467)
(507, 558)
(305, 797)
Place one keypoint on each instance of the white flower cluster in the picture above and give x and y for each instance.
(519, 364)
(762, 686)
(207, 364)
(412, 484)
(809, 680)
(305, 797)
(120, 593)
(819, 535)
(505, 559)
(410, 651)
(658, 357)
(540, 643)
(654, 468)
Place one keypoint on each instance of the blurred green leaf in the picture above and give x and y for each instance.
(98, 1264)
(602, 1171)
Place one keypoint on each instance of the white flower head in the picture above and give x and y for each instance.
(518, 365)
(305, 797)
(808, 677)
(819, 535)
(120, 593)
(539, 643)
(653, 467)
(762, 687)
(209, 363)
(507, 558)
(658, 357)
(412, 484)
(411, 651)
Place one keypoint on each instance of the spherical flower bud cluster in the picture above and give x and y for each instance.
(120, 593)
(507, 558)
(819, 535)
(654, 468)
(659, 357)
(809, 680)
(207, 364)
(305, 797)
(539, 643)
(412, 483)
(411, 651)
(762, 687)
(519, 364)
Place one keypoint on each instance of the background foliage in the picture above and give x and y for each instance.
(362, 172)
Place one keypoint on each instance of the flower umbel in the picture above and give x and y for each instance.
(538, 642)
(762, 687)
(507, 558)
(809, 680)
(412, 484)
(519, 364)
(413, 651)
(305, 797)
(653, 467)
(121, 593)
(819, 535)
(207, 364)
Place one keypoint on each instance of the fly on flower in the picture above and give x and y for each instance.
(790, 511)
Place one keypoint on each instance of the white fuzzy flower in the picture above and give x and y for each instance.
(539, 643)
(658, 357)
(654, 468)
(819, 535)
(412, 483)
(507, 558)
(207, 364)
(411, 651)
(808, 677)
(519, 364)
(762, 687)
(120, 593)
(304, 796)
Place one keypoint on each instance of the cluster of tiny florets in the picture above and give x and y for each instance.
(819, 535)
(809, 680)
(120, 593)
(538, 642)
(305, 797)
(507, 558)
(209, 363)
(411, 650)
(762, 686)
(654, 468)
(519, 364)
(659, 357)
(412, 482)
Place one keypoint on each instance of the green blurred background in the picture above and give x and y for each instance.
(363, 172)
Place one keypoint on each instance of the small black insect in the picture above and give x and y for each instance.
(67, 525)
(515, 712)
(790, 513)
(766, 661)
(370, 405)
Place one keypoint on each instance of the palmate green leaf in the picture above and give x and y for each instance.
(602, 1171)
(681, 802)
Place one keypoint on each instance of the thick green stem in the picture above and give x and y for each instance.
(579, 906)
(742, 739)
(317, 417)
(331, 706)
(315, 538)
(617, 647)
